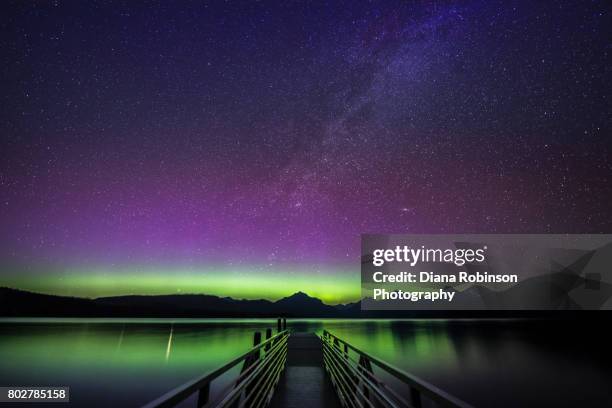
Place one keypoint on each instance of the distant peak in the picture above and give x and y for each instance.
(300, 294)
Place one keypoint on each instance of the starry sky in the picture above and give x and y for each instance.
(241, 148)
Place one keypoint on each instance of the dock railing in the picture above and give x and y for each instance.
(357, 379)
(253, 387)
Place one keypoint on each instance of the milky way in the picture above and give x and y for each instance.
(219, 148)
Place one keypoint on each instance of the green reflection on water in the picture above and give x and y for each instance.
(198, 344)
(158, 354)
(124, 345)
(408, 343)
(138, 361)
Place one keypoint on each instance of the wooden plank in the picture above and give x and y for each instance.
(304, 384)
(304, 349)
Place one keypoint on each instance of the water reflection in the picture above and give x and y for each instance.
(169, 342)
(487, 363)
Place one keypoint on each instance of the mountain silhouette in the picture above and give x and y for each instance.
(14, 302)
(19, 303)
(300, 302)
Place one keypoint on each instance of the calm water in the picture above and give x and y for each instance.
(489, 364)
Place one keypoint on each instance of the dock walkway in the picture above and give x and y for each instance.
(304, 382)
(302, 370)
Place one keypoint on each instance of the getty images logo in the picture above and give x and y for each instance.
(412, 256)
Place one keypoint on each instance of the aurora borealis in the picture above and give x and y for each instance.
(241, 148)
(251, 282)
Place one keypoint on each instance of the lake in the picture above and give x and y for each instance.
(492, 363)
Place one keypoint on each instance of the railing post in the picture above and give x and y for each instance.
(250, 360)
(284, 324)
(203, 395)
(365, 365)
(256, 341)
(268, 335)
(279, 325)
(415, 398)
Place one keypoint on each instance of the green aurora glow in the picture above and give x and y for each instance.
(331, 288)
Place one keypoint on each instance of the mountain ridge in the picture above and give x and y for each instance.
(17, 302)
(20, 303)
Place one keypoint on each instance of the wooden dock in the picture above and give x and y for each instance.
(295, 370)
(304, 382)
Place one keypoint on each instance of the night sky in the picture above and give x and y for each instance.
(241, 148)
